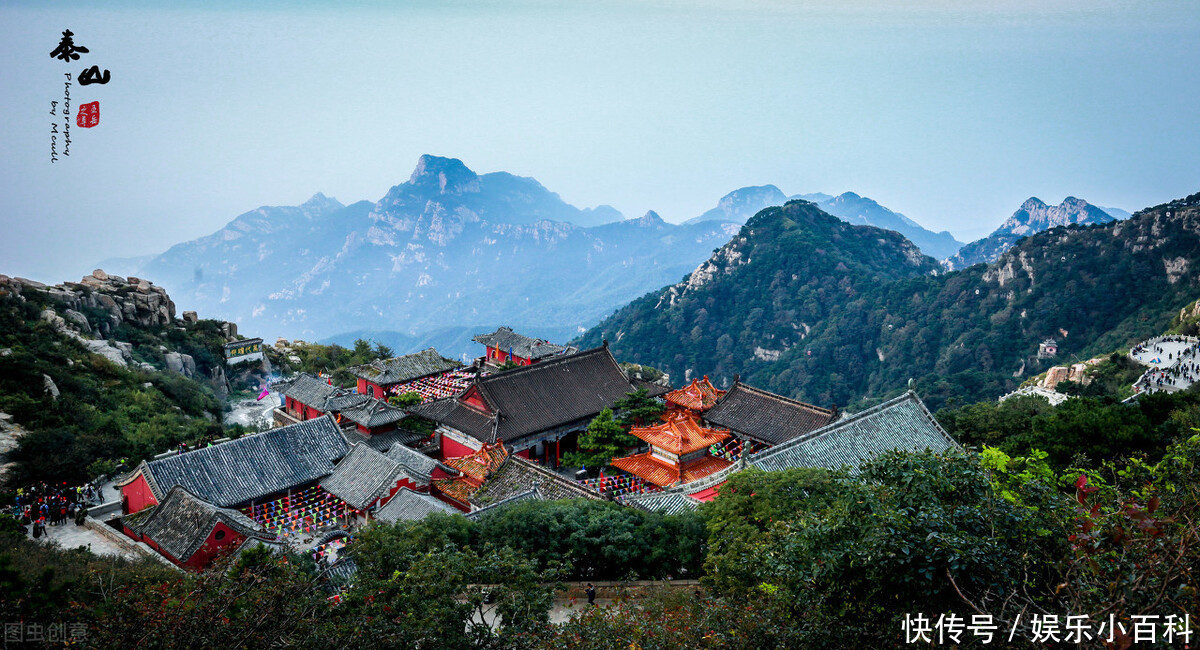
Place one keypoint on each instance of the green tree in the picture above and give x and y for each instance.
(638, 409)
(411, 398)
(604, 440)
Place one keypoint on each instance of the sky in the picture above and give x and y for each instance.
(951, 112)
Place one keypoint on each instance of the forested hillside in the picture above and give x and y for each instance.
(74, 406)
(804, 305)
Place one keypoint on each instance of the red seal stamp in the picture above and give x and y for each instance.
(88, 115)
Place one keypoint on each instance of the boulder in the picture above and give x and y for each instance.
(126, 350)
(183, 364)
(79, 319)
(174, 362)
(105, 350)
(50, 387)
(190, 316)
(99, 274)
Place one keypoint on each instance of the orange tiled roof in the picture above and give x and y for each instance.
(680, 434)
(475, 468)
(458, 488)
(700, 395)
(662, 473)
(479, 464)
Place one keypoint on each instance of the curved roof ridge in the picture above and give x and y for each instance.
(770, 395)
(849, 419)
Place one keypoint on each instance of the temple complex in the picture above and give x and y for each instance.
(538, 410)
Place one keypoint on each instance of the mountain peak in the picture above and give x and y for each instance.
(449, 175)
(651, 218)
(743, 203)
(319, 201)
(1032, 217)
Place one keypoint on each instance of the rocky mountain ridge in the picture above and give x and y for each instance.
(1033, 216)
(98, 309)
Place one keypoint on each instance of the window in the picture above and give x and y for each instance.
(220, 535)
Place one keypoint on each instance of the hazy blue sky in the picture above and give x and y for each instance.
(950, 114)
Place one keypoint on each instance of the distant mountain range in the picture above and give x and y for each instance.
(1033, 216)
(739, 205)
(446, 249)
(450, 250)
(804, 304)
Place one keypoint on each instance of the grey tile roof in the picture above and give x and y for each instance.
(309, 390)
(532, 399)
(408, 505)
(533, 494)
(416, 464)
(517, 475)
(383, 442)
(902, 423)
(371, 412)
(362, 477)
(765, 416)
(181, 522)
(652, 389)
(342, 399)
(341, 573)
(405, 368)
(251, 467)
(452, 413)
(668, 503)
(504, 339)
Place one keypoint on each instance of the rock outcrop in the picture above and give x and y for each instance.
(10, 435)
(181, 363)
(50, 387)
(111, 299)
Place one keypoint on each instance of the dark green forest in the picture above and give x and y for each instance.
(805, 305)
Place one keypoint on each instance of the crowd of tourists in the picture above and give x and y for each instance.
(42, 505)
(1174, 368)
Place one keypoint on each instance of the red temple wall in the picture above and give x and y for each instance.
(453, 449)
(473, 398)
(212, 546)
(137, 495)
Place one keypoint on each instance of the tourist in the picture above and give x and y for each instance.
(591, 593)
